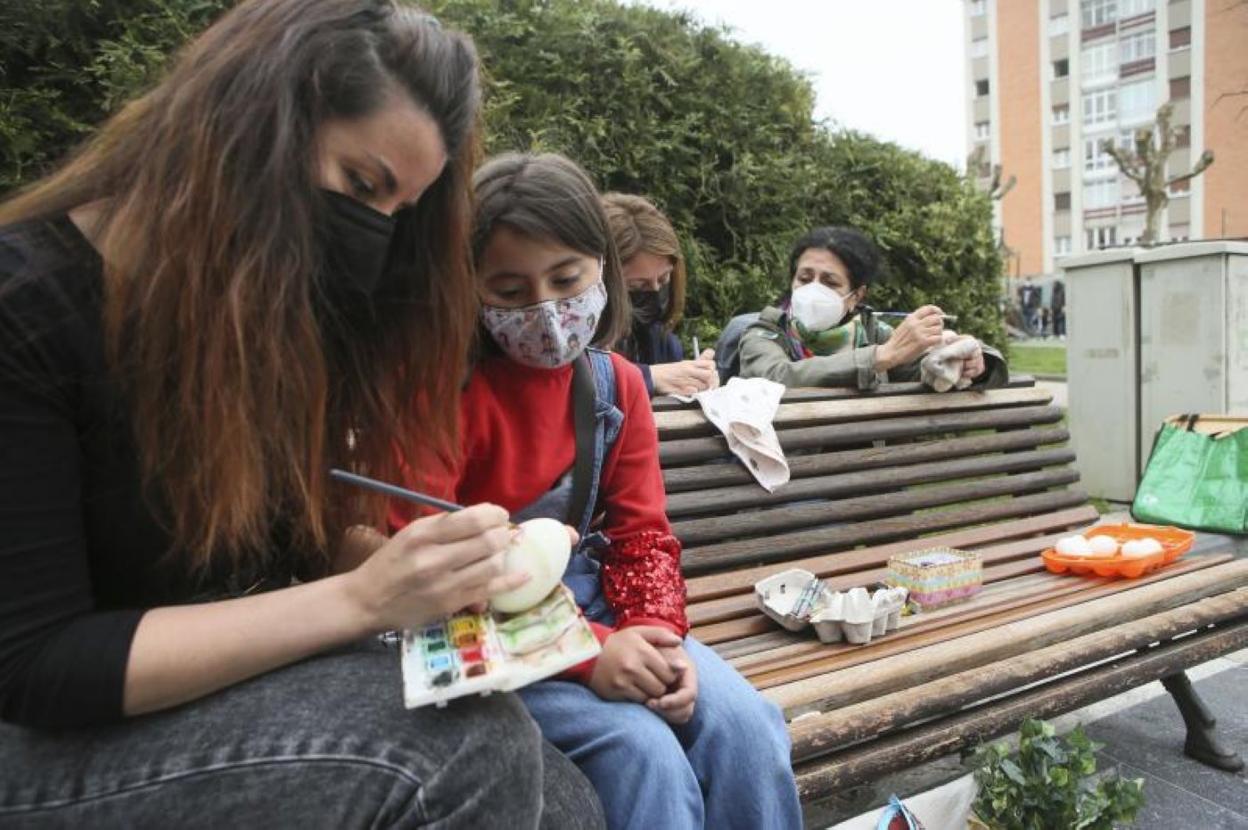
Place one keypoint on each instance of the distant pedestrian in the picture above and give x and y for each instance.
(1057, 305)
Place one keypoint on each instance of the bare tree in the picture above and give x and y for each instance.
(1146, 166)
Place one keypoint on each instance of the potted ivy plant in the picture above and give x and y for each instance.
(1050, 783)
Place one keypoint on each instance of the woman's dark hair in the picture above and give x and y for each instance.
(549, 196)
(852, 246)
(243, 392)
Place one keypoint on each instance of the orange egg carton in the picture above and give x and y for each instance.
(1174, 543)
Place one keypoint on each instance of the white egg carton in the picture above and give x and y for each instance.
(797, 598)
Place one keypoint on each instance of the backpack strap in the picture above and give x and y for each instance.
(583, 396)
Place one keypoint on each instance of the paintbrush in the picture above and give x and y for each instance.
(394, 490)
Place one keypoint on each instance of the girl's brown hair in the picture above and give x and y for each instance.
(638, 226)
(243, 385)
(549, 196)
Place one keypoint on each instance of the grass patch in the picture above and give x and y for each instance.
(1038, 360)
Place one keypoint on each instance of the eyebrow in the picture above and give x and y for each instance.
(563, 263)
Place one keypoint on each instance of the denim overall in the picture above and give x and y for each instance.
(727, 767)
(583, 573)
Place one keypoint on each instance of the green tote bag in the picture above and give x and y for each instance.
(1197, 475)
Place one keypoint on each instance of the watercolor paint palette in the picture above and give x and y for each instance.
(483, 653)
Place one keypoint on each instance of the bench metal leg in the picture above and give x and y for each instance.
(1202, 743)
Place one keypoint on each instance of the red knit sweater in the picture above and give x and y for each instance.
(519, 439)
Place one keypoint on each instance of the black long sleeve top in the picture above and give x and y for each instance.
(83, 550)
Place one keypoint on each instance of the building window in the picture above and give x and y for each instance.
(1098, 12)
(1100, 107)
(1100, 194)
(1178, 233)
(1095, 159)
(982, 130)
(1061, 158)
(1181, 186)
(1134, 8)
(981, 88)
(1100, 237)
(979, 47)
(1061, 114)
(1061, 68)
(1059, 25)
(1098, 65)
(1183, 136)
(1181, 38)
(1137, 47)
(1137, 101)
(1061, 201)
(979, 7)
(1181, 87)
(1061, 245)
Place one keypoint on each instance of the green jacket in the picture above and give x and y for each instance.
(767, 351)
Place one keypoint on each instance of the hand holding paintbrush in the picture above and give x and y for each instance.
(434, 566)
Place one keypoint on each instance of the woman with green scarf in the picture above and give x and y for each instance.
(823, 334)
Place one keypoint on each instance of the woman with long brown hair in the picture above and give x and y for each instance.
(237, 284)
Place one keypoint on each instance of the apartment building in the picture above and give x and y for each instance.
(1049, 81)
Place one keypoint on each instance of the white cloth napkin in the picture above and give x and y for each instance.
(941, 368)
(743, 410)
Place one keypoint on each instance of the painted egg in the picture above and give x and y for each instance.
(541, 550)
(1074, 546)
(1140, 548)
(1103, 546)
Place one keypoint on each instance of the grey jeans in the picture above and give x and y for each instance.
(323, 743)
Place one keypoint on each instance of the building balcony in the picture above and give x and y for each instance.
(1097, 32)
(1140, 67)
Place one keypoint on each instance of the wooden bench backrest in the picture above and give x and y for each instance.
(877, 470)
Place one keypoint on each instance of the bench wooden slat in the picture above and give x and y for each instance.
(758, 624)
(1060, 599)
(982, 642)
(788, 415)
(864, 481)
(666, 403)
(783, 545)
(684, 479)
(768, 520)
(818, 734)
(864, 570)
(734, 582)
(1030, 587)
(824, 777)
(673, 453)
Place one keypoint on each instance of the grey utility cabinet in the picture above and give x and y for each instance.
(1151, 333)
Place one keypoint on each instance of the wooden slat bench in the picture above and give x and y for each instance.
(900, 469)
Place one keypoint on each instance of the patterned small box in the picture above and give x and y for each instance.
(937, 576)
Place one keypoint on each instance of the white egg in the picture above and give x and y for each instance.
(541, 550)
(1074, 546)
(1140, 548)
(1103, 546)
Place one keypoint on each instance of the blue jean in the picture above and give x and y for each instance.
(325, 743)
(728, 767)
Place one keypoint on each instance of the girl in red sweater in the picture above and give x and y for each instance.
(669, 734)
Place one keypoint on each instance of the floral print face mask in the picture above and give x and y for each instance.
(548, 334)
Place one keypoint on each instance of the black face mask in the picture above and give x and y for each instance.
(650, 306)
(356, 242)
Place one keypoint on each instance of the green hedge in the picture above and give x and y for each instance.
(720, 134)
